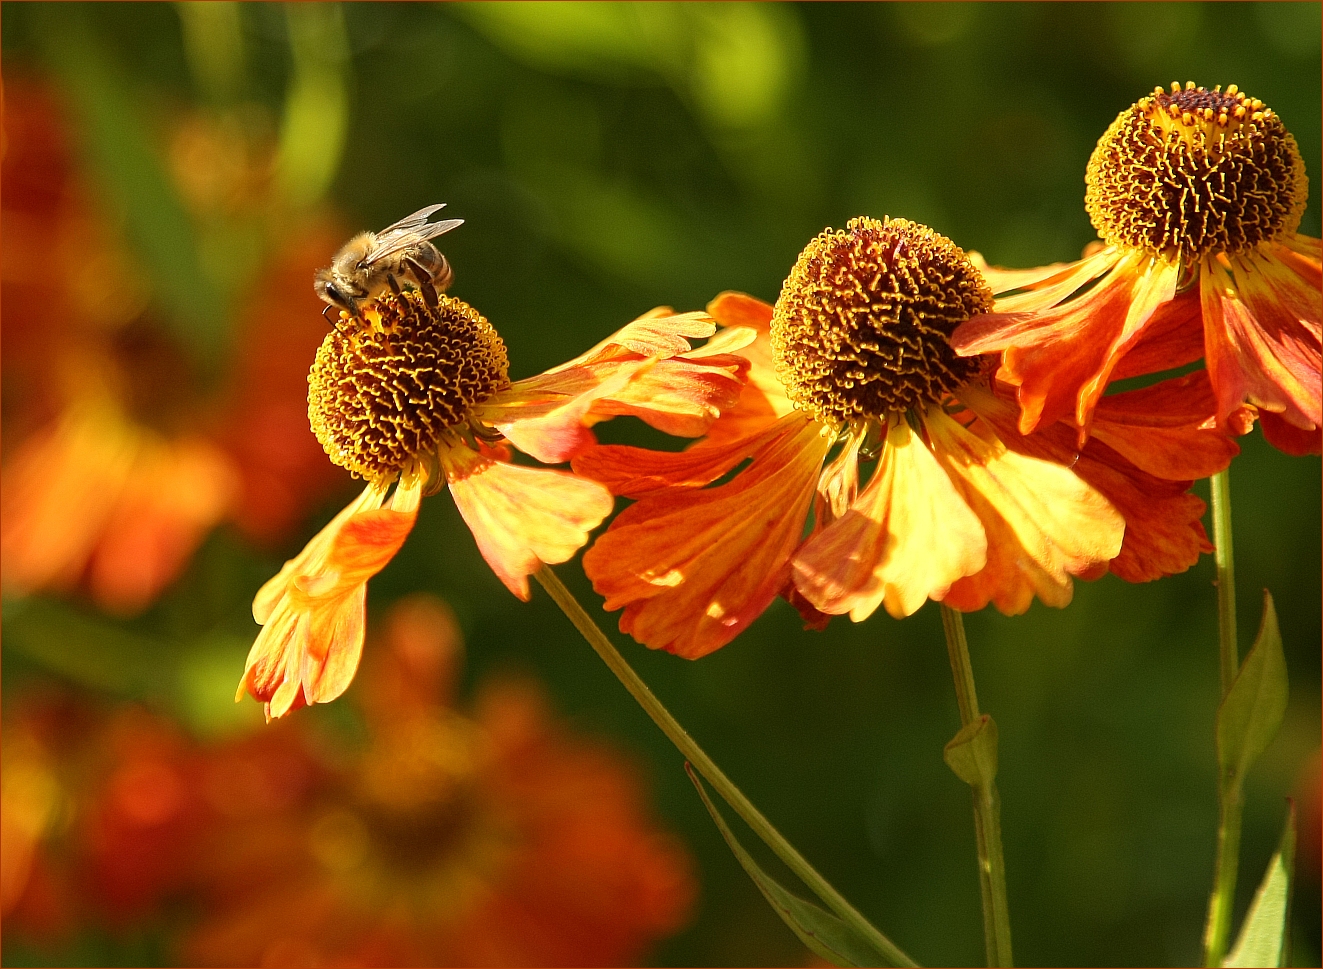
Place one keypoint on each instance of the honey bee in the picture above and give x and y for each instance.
(372, 262)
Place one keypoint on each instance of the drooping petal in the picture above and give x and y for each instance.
(1166, 429)
(1002, 280)
(693, 568)
(635, 472)
(1288, 438)
(313, 611)
(907, 537)
(1062, 359)
(1163, 534)
(523, 517)
(1044, 524)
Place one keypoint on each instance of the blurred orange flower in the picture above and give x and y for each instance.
(419, 397)
(494, 837)
(960, 508)
(1197, 196)
(123, 458)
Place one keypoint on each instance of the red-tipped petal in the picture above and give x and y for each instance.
(1288, 438)
(312, 613)
(906, 538)
(693, 568)
(523, 517)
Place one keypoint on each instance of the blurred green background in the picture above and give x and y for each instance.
(609, 158)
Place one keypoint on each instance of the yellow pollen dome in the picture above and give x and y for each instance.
(383, 391)
(1189, 171)
(861, 328)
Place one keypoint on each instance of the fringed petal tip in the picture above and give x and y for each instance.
(647, 370)
(313, 612)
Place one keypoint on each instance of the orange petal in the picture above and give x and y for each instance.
(733, 308)
(312, 613)
(1173, 337)
(1062, 359)
(693, 568)
(1166, 429)
(647, 370)
(906, 538)
(523, 517)
(636, 472)
(1002, 280)
(1288, 438)
(1044, 524)
(1163, 534)
(1259, 346)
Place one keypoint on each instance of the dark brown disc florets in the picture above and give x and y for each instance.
(383, 390)
(1189, 171)
(862, 326)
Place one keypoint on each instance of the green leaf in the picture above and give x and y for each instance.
(1263, 935)
(821, 931)
(972, 753)
(1256, 703)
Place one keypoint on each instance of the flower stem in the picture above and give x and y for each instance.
(710, 771)
(1230, 791)
(987, 803)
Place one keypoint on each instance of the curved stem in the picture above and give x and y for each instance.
(1230, 791)
(710, 771)
(987, 803)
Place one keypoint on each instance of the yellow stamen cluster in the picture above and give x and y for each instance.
(382, 391)
(1189, 171)
(861, 328)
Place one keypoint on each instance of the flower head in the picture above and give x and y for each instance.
(855, 359)
(418, 398)
(1197, 196)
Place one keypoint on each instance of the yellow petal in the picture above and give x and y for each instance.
(522, 517)
(906, 538)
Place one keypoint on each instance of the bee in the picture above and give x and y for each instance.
(372, 262)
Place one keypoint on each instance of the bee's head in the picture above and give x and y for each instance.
(325, 285)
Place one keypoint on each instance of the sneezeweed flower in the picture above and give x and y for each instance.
(417, 398)
(959, 508)
(455, 836)
(1197, 196)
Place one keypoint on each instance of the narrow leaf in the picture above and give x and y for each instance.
(821, 931)
(1263, 935)
(1255, 705)
(972, 753)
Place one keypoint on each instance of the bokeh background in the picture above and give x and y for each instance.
(173, 176)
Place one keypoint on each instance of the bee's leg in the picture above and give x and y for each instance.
(394, 286)
(424, 283)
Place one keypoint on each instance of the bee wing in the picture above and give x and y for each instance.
(410, 231)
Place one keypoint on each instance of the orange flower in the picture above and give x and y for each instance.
(959, 508)
(1197, 196)
(493, 837)
(422, 396)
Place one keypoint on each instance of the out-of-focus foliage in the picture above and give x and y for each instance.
(608, 158)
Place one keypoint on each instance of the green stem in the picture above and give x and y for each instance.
(710, 771)
(987, 804)
(1224, 558)
(1217, 929)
